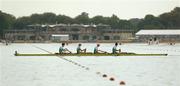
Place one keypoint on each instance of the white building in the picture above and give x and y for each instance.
(165, 35)
(59, 37)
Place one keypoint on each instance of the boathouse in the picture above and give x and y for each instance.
(162, 35)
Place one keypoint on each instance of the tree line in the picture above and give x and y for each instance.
(169, 20)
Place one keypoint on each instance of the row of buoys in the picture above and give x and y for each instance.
(104, 75)
(86, 68)
(113, 79)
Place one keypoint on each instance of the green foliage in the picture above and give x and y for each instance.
(114, 21)
(6, 22)
(83, 18)
(125, 24)
(22, 22)
(98, 20)
(150, 22)
(166, 20)
(64, 19)
(45, 18)
(171, 19)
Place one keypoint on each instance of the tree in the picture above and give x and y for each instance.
(150, 22)
(34, 19)
(83, 18)
(45, 18)
(22, 22)
(64, 19)
(49, 18)
(135, 22)
(125, 24)
(6, 22)
(114, 21)
(98, 20)
(171, 19)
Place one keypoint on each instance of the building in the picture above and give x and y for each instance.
(167, 35)
(75, 32)
(58, 38)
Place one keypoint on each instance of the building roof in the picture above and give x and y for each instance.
(122, 30)
(58, 35)
(159, 32)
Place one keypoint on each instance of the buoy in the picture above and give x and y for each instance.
(104, 75)
(87, 68)
(122, 83)
(111, 79)
(98, 73)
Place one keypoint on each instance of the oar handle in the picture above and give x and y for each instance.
(104, 51)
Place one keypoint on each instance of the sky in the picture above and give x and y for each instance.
(124, 9)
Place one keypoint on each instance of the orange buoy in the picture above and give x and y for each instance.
(104, 75)
(122, 83)
(87, 68)
(111, 79)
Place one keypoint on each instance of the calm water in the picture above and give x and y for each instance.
(54, 71)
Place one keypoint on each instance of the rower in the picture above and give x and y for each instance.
(6, 42)
(15, 53)
(96, 50)
(63, 50)
(115, 50)
(79, 50)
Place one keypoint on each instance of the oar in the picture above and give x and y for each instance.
(104, 51)
(68, 50)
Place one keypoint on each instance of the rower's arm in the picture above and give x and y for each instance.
(67, 50)
(102, 51)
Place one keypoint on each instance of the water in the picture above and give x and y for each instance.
(54, 71)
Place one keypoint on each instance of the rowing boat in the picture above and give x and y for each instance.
(88, 54)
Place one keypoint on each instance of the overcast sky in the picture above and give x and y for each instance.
(124, 9)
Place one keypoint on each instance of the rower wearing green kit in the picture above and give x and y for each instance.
(115, 50)
(79, 50)
(96, 50)
(62, 49)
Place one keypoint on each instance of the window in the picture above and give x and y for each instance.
(75, 29)
(106, 38)
(75, 37)
(32, 37)
(21, 37)
(85, 37)
(62, 29)
(116, 38)
(94, 38)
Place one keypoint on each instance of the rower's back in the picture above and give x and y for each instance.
(96, 49)
(114, 49)
(61, 49)
(78, 49)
